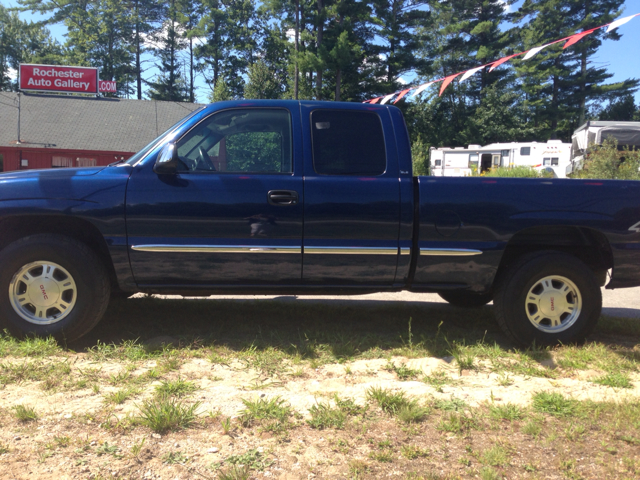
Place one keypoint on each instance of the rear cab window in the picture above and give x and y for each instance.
(348, 143)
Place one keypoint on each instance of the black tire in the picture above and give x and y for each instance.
(87, 301)
(466, 299)
(117, 294)
(516, 289)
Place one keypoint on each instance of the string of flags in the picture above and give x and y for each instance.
(570, 40)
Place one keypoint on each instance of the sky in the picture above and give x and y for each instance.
(621, 58)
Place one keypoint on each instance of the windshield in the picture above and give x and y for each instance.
(135, 158)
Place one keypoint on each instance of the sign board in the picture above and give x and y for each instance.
(107, 86)
(57, 78)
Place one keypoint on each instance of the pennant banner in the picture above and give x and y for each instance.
(533, 51)
(402, 94)
(569, 41)
(468, 73)
(387, 98)
(573, 39)
(422, 88)
(447, 81)
(497, 63)
(622, 21)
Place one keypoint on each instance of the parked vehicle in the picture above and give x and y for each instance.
(552, 156)
(627, 134)
(304, 198)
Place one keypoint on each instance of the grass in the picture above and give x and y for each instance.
(615, 380)
(452, 405)
(413, 413)
(235, 472)
(389, 401)
(348, 406)
(28, 347)
(402, 371)
(24, 413)
(167, 414)
(271, 414)
(324, 416)
(106, 449)
(120, 396)
(495, 456)
(455, 422)
(411, 452)
(383, 456)
(554, 404)
(438, 379)
(251, 459)
(508, 411)
(174, 457)
(176, 388)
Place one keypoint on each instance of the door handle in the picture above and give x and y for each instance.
(282, 197)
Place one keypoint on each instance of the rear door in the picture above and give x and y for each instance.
(352, 196)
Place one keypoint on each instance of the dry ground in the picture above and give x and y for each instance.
(168, 388)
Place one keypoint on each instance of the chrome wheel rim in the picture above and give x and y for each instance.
(553, 304)
(43, 292)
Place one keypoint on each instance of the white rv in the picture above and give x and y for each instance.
(460, 161)
(627, 134)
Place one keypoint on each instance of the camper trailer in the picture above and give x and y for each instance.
(552, 156)
(627, 134)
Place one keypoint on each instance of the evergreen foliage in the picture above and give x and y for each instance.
(348, 50)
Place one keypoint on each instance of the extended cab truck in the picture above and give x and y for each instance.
(308, 197)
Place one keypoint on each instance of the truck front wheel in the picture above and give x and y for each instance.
(464, 299)
(548, 298)
(51, 285)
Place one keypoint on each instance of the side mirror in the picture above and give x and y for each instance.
(168, 160)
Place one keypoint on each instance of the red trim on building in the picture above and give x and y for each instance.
(44, 157)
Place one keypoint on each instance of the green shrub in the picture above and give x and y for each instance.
(517, 172)
(607, 161)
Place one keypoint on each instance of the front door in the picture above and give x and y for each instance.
(352, 197)
(232, 215)
(485, 162)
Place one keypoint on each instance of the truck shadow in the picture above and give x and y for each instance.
(308, 328)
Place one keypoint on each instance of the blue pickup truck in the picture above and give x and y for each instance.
(308, 197)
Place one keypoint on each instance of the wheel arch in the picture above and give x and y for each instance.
(15, 227)
(588, 245)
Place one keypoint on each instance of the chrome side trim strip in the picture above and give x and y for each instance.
(453, 252)
(351, 250)
(215, 249)
(405, 251)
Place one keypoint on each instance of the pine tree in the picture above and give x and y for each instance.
(220, 92)
(397, 22)
(621, 110)
(145, 18)
(24, 42)
(169, 84)
(230, 31)
(560, 84)
(262, 82)
(189, 14)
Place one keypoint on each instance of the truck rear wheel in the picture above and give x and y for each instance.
(465, 299)
(548, 298)
(51, 285)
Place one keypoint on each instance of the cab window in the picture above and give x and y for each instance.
(348, 142)
(239, 141)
